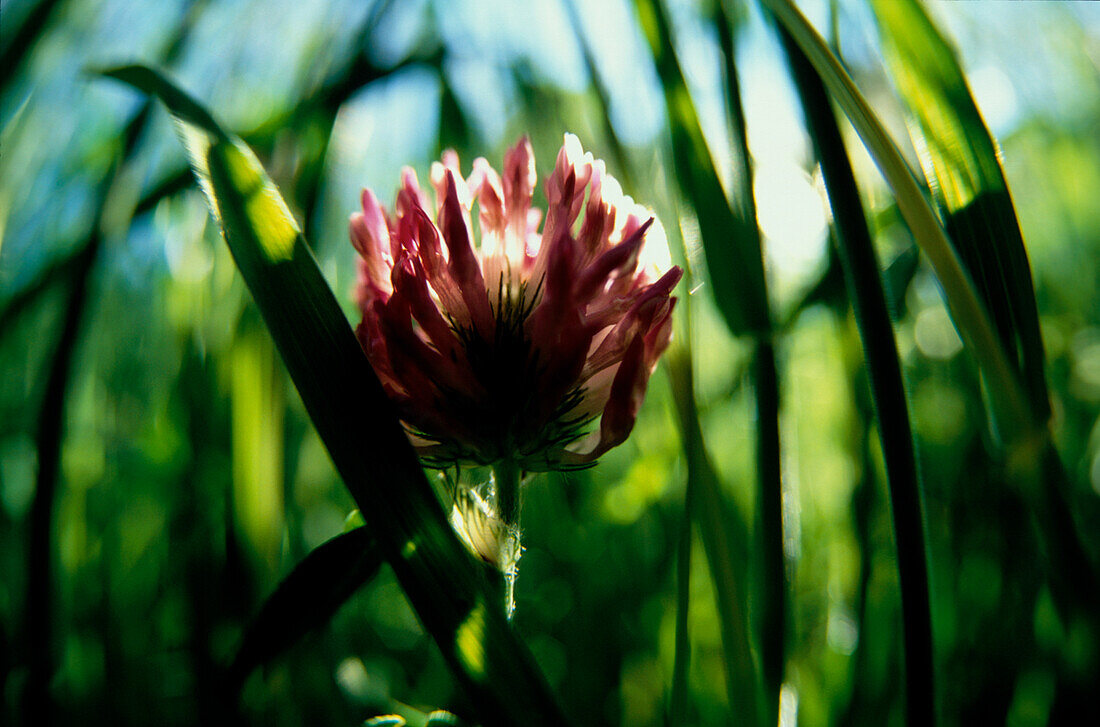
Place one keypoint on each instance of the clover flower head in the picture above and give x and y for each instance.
(512, 348)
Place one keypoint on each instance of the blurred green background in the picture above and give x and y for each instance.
(191, 480)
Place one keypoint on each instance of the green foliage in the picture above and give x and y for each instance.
(173, 535)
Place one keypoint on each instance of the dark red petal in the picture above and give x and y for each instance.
(627, 394)
(464, 266)
(410, 280)
(546, 322)
(620, 260)
(410, 195)
(659, 336)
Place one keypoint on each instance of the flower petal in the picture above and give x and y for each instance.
(464, 266)
(519, 182)
(371, 237)
(627, 393)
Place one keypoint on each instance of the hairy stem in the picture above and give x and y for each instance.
(506, 482)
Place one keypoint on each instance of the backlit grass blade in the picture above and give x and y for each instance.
(864, 282)
(1008, 402)
(730, 241)
(960, 159)
(451, 593)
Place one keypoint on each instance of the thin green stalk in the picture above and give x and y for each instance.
(862, 275)
(769, 488)
(507, 479)
(681, 663)
(603, 95)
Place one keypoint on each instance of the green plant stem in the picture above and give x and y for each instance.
(861, 272)
(506, 481)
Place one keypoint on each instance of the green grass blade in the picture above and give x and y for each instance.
(306, 599)
(681, 663)
(603, 95)
(772, 623)
(725, 542)
(731, 241)
(1008, 402)
(864, 282)
(452, 595)
(960, 159)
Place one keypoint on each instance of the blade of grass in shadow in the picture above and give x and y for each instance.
(960, 159)
(677, 710)
(53, 274)
(618, 151)
(453, 596)
(306, 599)
(38, 628)
(1008, 401)
(864, 281)
(24, 39)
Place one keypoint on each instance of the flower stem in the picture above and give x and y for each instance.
(506, 479)
(506, 482)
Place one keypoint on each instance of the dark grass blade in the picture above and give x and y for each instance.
(306, 599)
(38, 627)
(730, 240)
(452, 595)
(864, 282)
(962, 164)
(23, 41)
